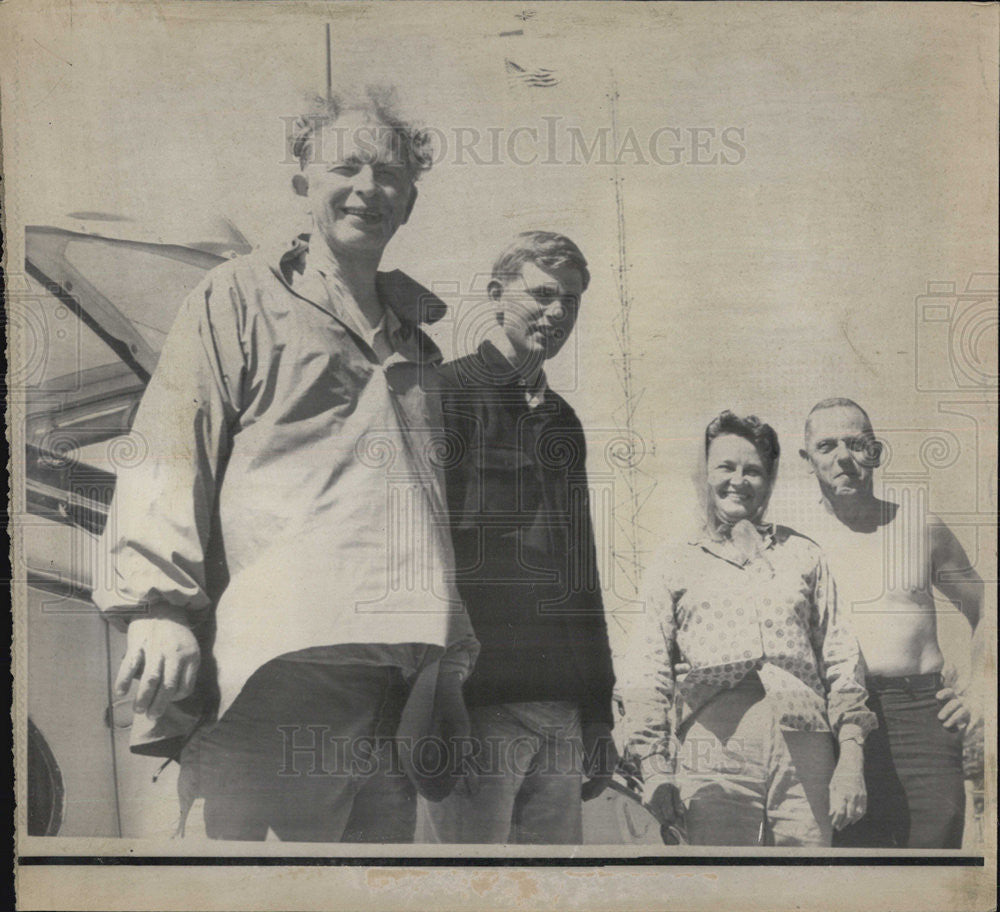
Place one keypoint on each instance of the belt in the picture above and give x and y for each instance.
(932, 679)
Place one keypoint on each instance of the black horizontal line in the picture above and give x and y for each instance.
(507, 862)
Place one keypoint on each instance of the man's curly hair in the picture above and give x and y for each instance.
(379, 105)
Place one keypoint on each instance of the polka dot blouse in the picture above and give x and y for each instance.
(725, 615)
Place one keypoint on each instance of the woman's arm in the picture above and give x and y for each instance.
(647, 690)
(843, 670)
(841, 664)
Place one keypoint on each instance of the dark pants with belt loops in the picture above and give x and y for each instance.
(307, 751)
(913, 771)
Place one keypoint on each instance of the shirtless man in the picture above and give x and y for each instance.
(886, 557)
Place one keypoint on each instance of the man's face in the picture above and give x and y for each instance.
(540, 308)
(841, 451)
(358, 186)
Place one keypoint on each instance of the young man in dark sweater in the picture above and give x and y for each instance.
(540, 698)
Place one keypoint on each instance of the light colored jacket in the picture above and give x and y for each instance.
(284, 479)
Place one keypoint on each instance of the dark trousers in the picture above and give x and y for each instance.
(913, 771)
(307, 751)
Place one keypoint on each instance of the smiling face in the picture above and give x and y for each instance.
(841, 451)
(539, 309)
(738, 483)
(359, 186)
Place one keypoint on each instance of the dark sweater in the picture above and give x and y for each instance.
(524, 546)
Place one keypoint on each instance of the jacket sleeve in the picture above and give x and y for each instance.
(842, 663)
(454, 439)
(160, 518)
(590, 621)
(648, 685)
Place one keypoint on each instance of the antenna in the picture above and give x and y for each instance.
(638, 488)
(329, 67)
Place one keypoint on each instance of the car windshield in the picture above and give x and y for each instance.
(146, 286)
(58, 345)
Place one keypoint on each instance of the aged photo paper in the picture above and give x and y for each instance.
(780, 210)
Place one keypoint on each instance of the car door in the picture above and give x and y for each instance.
(98, 310)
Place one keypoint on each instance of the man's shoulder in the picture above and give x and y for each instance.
(412, 301)
(243, 271)
(799, 541)
(232, 292)
(936, 523)
(566, 410)
(480, 374)
(465, 373)
(942, 537)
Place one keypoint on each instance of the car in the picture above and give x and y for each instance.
(96, 304)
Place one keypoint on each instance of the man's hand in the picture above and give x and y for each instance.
(451, 718)
(665, 804)
(954, 714)
(453, 726)
(974, 752)
(848, 796)
(600, 757)
(433, 727)
(165, 653)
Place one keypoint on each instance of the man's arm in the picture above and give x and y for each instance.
(584, 583)
(161, 516)
(598, 709)
(952, 573)
(600, 755)
(597, 716)
(957, 580)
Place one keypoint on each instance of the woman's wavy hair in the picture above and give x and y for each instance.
(761, 435)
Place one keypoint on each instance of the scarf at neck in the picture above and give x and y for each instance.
(748, 539)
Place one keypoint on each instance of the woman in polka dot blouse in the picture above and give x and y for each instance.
(759, 740)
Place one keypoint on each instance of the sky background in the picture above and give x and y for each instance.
(869, 166)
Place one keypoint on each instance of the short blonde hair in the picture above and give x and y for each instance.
(543, 248)
(379, 105)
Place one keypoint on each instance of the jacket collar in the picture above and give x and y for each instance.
(767, 530)
(716, 541)
(501, 372)
(407, 302)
